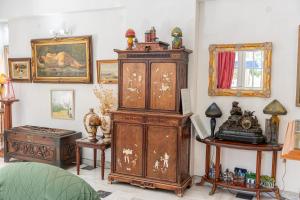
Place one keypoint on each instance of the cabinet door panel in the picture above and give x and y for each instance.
(163, 86)
(162, 153)
(134, 85)
(129, 140)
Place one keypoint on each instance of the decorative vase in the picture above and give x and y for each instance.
(106, 127)
(91, 122)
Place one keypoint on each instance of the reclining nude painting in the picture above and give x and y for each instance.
(61, 60)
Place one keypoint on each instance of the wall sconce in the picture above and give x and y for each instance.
(61, 32)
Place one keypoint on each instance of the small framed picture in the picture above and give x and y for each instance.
(62, 104)
(20, 69)
(107, 71)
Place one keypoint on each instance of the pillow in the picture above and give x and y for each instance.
(37, 181)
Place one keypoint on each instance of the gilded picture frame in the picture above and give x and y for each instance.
(62, 60)
(62, 104)
(107, 71)
(264, 92)
(19, 69)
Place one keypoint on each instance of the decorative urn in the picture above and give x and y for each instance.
(91, 123)
(130, 35)
(177, 38)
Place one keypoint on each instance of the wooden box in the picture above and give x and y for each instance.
(40, 144)
(152, 80)
(151, 150)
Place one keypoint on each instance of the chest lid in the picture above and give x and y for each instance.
(45, 131)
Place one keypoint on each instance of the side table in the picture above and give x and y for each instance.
(259, 148)
(85, 142)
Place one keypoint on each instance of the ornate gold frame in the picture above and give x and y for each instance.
(99, 78)
(265, 92)
(87, 40)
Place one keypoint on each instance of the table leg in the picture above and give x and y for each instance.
(217, 170)
(102, 162)
(207, 165)
(95, 158)
(274, 164)
(258, 172)
(77, 159)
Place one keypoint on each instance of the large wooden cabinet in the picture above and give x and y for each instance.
(151, 139)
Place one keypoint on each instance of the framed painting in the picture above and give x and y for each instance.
(62, 104)
(62, 60)
(107, 71)
(19, 69)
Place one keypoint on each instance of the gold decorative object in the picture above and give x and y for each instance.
(265, 91)
(107, 104)
(91, 122)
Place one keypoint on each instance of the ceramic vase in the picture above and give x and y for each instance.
(91, 122)
(106, 127)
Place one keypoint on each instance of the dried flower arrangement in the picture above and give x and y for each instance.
(108, 102)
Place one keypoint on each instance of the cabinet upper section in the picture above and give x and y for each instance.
(152, 80)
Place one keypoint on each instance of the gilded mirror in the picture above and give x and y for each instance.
(240, 69)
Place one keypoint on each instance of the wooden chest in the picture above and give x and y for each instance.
(151, 150)
(40, 144)
(151, 81)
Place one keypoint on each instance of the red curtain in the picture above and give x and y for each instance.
(225, 69)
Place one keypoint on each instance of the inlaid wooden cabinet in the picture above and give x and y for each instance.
(150, 136)
(151, 81)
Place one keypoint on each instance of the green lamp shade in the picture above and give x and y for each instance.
(275, 108)
(213, 111)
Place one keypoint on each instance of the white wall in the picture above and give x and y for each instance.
(236, 21)
(3, 42)
(107, 22)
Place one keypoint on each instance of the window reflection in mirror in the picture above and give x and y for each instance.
(240, 69)
(248, 70)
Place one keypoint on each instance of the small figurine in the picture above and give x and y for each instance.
(177, 41)
(130, 34)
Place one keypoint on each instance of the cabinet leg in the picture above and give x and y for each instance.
(179, 192)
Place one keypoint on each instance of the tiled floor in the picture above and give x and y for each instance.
(127, 192)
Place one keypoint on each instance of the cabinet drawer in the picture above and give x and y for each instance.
(162, 121)
(128, 118)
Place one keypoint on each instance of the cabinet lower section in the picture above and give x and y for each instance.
(151, 150)
(151, 184)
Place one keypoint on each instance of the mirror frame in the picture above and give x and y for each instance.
(264, 92)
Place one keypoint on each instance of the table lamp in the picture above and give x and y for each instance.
(274, 108)
(213, 111)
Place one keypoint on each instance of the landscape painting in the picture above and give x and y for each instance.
(107, 71)
(65, 60)
(62, 104)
